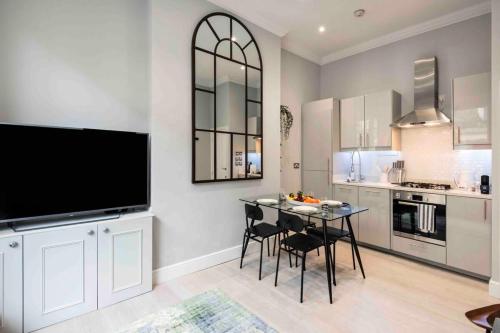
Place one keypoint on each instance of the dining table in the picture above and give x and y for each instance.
(342, 212)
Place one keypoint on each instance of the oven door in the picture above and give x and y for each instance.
(405, 222)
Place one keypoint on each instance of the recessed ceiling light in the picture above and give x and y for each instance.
(359, 12)
(242, 68)
(233, 39)
(321, 28)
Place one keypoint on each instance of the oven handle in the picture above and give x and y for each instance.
(408, 203)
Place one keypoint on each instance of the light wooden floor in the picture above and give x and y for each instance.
(398, 295)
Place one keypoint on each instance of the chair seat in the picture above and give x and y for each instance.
(302, 242)
(332, 234)
(264, 230)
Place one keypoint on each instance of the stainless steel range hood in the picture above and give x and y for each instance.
(426, 103)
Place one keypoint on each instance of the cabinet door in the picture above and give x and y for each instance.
(11, 285)
(379, 109)
(317, 182)
(317, 120)
(468, 234)
(60, 275)
(125, 259)
(349, 194)
(472, 110)
(375, 224)
(352, 115)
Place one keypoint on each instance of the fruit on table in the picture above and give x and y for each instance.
(302, 198)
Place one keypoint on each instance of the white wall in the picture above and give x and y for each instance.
(194, 220)
(300, 80)
(75, 63)
(462, 49)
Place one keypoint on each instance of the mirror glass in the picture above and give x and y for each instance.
(223, 156)
(254, 164)
(230, 96)
(239, 156)
(227, 101)
(204, 154)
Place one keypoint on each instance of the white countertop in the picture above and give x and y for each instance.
(452, 192)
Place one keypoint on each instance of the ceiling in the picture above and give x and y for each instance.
(385, 21)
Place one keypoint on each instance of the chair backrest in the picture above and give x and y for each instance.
(290, 222)
(253, 213)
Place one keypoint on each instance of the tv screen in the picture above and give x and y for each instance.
(47, 172)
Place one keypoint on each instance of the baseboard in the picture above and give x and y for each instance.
(170, 272)
(494, 288)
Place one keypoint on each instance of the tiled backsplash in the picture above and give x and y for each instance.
(428, 155)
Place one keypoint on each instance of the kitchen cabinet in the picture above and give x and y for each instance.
(11, 284)
(365, 121)
(468, 234)
(472, 111)
(60, 275)
(320, 120)
(125, 260)
(375, 224)
(349, 194)
(352, 122)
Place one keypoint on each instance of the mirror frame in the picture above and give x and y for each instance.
(213, 53)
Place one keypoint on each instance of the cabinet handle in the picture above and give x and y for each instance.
(90, 232)
(458, 134)
(328, 172)
(106, 230)
(13, 244)
(360, 139)
(367, 141)
(485, 210)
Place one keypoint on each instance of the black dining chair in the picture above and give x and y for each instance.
(258, 232)
(333, 235)
(297, 244)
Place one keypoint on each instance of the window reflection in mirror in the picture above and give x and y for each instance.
(230, 104)
(254, 164)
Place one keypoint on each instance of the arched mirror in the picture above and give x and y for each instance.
(227, 101)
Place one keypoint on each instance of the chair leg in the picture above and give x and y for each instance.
(296, 258)
(318, 251)
(268, 252)
(260, 263)
(333, 264)
(243, 248)
(285, 234)
(302, 277)
(353, 259)
(277, 266)
(274, 245)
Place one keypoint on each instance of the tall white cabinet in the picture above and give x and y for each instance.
(60, 275)
(11, 284)
(320, 126)
(352, 122)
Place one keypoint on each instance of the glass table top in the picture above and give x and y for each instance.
(333, 213)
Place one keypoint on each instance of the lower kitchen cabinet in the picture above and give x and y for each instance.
(349, 194)
(11, 285)
(60, 275)
(125, 260)
(468, 234)
(375, 224)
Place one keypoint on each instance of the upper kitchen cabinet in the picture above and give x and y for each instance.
(365, 121)
(352, 122)
(472, 112)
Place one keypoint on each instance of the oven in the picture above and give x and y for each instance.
(419, 216)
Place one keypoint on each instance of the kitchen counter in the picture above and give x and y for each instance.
(452, 192)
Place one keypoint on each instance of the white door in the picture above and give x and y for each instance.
(317, 122)
(352, 119)
(125, 259)
(223, 147)
(60, 275)
(317, 183)
(378, 118)
(11, 285)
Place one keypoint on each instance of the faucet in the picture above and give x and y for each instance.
(353, 176)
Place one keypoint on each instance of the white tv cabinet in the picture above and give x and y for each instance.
(51, 275)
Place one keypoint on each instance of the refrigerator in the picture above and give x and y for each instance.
(320, 140)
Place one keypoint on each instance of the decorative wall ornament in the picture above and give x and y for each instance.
(286, 122)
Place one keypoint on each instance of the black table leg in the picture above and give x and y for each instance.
(355, 245)
(327, 259)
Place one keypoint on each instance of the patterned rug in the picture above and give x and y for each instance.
(211, 311)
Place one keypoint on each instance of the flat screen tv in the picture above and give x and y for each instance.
(50, 172)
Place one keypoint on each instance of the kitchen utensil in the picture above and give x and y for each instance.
(485, 184)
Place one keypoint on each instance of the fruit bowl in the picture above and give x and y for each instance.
(301, 203)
